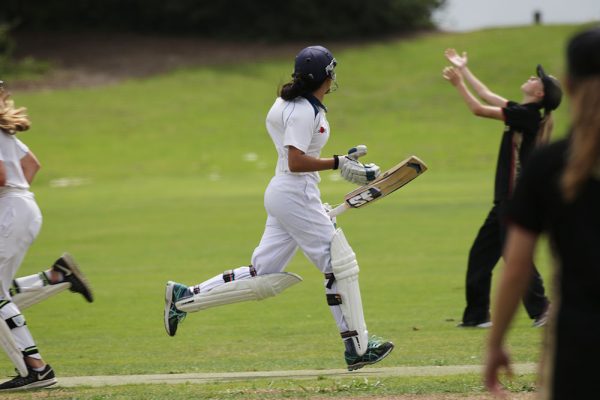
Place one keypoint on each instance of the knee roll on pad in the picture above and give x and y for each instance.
(345, 272)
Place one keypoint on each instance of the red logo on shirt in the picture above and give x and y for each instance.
(321, 130)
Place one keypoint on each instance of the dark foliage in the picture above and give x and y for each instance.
(234, 19)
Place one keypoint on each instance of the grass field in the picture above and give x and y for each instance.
(169, 175)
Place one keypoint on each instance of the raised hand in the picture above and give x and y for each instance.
(456, 60)
(452, 75)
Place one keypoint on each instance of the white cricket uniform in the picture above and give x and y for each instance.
(295, 215)
(20, 223)
(20, 217)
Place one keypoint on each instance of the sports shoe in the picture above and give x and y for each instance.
(468, 324)
(72, 274)
(540, 320)
(173, 293)
(33, 380)
(377, 350)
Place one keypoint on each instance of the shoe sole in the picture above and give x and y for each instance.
(354, 367)
(79, 275)
(168, 303)
(33, 385)
(483, 325)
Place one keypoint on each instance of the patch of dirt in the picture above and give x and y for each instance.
(93, 59)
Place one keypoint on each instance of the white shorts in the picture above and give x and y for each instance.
(295, 219)
(20, 223)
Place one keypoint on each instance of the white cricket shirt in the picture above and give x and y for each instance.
(300, 123)
(11, 152)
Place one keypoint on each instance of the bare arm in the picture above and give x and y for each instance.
(30, 166)
(519, 251)
(2, 174)
(454, 76)
(480, 89)
(298, 161)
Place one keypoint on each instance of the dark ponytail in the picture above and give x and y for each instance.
(299, 86)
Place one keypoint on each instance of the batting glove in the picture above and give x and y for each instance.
(354, 171)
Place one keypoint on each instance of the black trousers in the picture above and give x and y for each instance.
(484, 255)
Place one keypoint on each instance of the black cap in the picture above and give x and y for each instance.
(583, 54)
(552, 90)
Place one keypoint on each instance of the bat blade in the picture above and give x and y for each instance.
(388, 182)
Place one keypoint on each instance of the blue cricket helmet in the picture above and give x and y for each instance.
(315, 63)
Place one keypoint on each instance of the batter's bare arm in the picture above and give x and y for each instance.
(350, 168)
(298, 161)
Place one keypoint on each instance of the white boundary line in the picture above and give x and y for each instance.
(197, 378)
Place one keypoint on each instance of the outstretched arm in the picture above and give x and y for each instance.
(520, 248)
(460, 62)
(454, 76)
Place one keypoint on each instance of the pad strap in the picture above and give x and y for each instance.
(334, 299)
(16, 321)
(30, 351)
(330, 279)
(348, 334)
(228, 276)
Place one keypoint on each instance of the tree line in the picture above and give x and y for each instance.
(275, 20)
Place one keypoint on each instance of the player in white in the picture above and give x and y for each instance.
(20, 222)
(296, 217)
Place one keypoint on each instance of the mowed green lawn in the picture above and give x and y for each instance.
(169, 176)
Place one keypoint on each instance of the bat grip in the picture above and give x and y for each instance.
(338, 210)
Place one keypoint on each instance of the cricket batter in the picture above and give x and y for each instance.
(525, 126)
(20, 222)
(296, 218)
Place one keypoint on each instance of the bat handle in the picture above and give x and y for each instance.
(338, 210)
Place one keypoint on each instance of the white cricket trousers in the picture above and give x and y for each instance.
(20, 223)
(295, 219)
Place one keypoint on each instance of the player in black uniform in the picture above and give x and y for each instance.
(559, 194)
(526, 124)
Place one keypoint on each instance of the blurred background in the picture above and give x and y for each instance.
(466, 15)
(86, 42)
(148, 118)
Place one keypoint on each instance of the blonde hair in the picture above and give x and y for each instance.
(584, 152)
(545, 129)
(12, 120)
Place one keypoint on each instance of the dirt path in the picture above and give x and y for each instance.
(114, 380)
(202, 378)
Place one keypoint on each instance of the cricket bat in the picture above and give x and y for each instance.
(386, 183)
